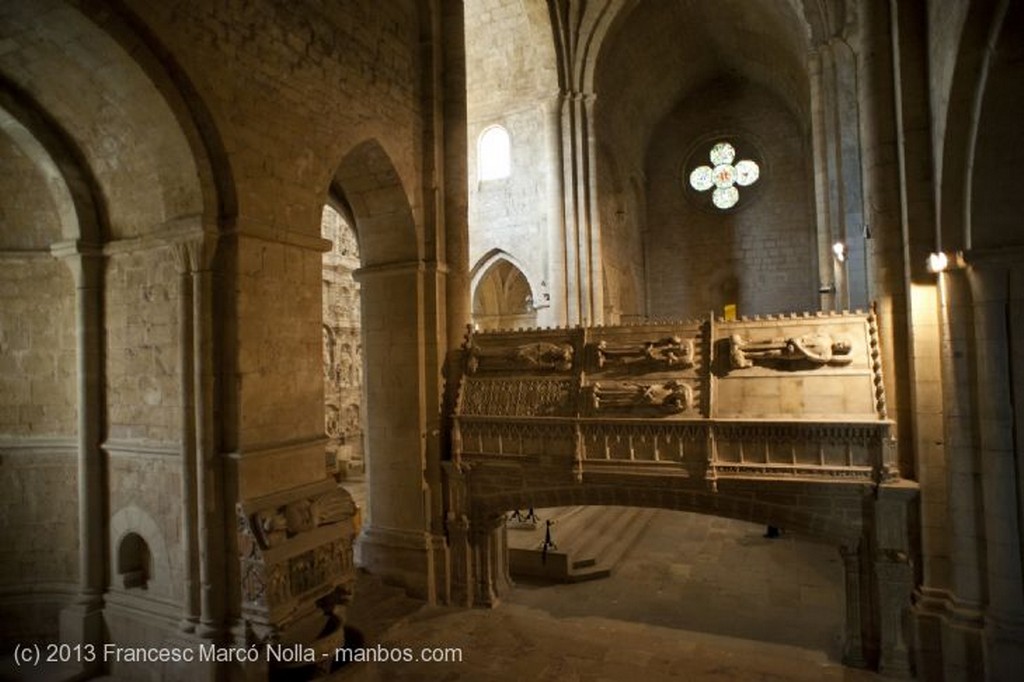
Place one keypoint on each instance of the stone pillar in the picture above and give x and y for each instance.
(190, 607)
(82, 622)
(1004, 615)
(208, 472)
(456, 193)
(892, 573)
(557, 272)
(853, 641)
(397, 544)
(490, 559)
(838, 185)
(458, 526)
(949, 620)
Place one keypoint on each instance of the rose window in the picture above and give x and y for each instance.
(723, 175)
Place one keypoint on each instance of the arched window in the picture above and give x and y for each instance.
(494, 154)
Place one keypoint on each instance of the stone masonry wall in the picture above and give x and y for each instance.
(511, 82)
(143, 374)
(37, 348)
(760, 255)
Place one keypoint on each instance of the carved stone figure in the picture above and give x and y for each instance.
(532, 356)
(670, 351)
(670, 396)
(816, 350)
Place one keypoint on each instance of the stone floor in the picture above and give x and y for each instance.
(696, 598)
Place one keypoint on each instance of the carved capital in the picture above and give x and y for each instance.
(194, 254)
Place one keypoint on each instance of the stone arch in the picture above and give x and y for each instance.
(142, 166)
(391, 279)
(995, 204)
(503, 297)
(142, 132)
(960, 120)
(131, 520)
(369, 186)
(74, 189)
(742, 505)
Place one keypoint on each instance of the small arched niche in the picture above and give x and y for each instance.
(134, 562)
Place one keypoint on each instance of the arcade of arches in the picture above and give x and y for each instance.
(242, 246)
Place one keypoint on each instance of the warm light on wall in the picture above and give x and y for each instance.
(839, 251)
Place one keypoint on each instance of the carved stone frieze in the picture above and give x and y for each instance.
(295, 550)
(667, 397)
(670, 352)
(651, 441)
(530, 357)
(809, 351)
(515, 397)
(519, 438)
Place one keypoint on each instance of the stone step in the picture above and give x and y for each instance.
(616, 547)
(605, 525)
(589, 540)
(566, 520)
(376, 606)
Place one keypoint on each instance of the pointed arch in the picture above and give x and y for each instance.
(503, 296)
(370, 188)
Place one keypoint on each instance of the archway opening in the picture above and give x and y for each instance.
(342, 348)
(503, 299)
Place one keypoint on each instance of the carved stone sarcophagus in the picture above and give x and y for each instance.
(297, 572)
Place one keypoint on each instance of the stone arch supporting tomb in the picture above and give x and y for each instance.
(398, 543)
(678, 416)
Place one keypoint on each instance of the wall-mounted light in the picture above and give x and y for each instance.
(940, 261)
(839, 251)
(937, 262)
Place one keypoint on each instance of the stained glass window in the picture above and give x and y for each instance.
(724, 176)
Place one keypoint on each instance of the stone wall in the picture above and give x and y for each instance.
(759, 255)
(38, 537)
(38, 457)
(143, 373)
(511, 82)
(37, 347)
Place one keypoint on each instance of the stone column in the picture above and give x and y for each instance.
(838, 185)
(456, 193)
(490, 563)
(82, 622)
(397, 544)
(1004, 615)
(557, 272)
(190, 607)
(853, 642)
(208, 470)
